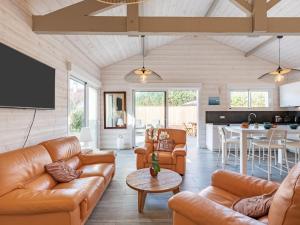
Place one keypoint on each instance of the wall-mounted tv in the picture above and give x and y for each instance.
(24, 81)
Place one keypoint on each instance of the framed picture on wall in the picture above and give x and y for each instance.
(213, 100)
(115, 115)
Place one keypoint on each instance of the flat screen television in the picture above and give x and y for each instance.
(24, 81)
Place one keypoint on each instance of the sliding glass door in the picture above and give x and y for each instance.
(150, 111)
(176, 109)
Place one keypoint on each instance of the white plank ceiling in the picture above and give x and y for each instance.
(109, 49)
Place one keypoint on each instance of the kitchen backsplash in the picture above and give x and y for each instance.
(229, 117)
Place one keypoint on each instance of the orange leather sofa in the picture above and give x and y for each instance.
(175, 160)
(212, 205)
(29, 196)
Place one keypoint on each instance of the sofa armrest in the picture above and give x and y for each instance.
(179, 150)
(99, 157)
(241, 185)
(25, 201)
(206, 212)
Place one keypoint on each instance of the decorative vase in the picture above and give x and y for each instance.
(152, 172)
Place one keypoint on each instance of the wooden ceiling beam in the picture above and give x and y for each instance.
(83, 8)
(260, 16)
(259, 46)
(164, 25)
(133, 18)
(272, 3)
(244, 6)
(77, 19)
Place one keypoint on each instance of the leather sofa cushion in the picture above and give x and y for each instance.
(62, 148)
(285, 206)
(74, 162)
(264, 219)
(61, 172)
(104, 170)
(43, 182)
(164, 158)
(219, 196)
(93, 186)
(19, 166)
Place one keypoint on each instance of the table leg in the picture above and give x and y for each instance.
(175, 191)
(141, 200)
(224, 153)
(243, 150)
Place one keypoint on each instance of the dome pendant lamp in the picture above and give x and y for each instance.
(142, 75)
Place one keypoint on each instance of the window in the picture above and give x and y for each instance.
(77, 106)
(239, 99)
(249, 99)
(83, 109)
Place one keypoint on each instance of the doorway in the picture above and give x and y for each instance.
(149, 111)
(174, 108)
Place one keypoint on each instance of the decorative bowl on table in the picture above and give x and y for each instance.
(293, 126)
(268, 125)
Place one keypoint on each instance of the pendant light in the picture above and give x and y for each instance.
(142, 75)
(280, 73)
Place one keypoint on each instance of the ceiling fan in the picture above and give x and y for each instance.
(142, 75)
(280, 73)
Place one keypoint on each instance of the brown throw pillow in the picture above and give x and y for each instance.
(166, 145)
(255, 207)
(61, 172)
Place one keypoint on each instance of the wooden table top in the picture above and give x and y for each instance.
(141, 180)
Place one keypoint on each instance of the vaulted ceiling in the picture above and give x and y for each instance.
(105, 50)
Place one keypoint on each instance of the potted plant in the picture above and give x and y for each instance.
(155, 168)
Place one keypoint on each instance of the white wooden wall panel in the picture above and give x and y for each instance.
(15, 31)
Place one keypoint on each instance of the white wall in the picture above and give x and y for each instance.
(15, 31)
(209, 66)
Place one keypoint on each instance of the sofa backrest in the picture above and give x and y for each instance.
(66, 149)
(20, 166)
(179, 136)
(285, 208)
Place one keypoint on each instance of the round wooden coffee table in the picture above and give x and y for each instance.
(143, 182)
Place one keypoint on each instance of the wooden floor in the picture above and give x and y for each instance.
(119, 203)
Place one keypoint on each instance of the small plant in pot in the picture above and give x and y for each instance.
(155, 168)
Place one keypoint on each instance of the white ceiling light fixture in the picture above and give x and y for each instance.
(280, 74)
(113, 2)
(142, 75)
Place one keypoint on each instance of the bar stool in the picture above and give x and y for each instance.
(294, 145)
(227, 141)
(275, 140)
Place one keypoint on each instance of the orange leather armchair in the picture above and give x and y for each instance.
(213, 204)
(174, 160)
(29, 195)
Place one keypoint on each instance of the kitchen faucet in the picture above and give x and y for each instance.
(251, 115)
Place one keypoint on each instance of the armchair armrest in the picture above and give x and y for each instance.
(147, 149)
(206, 212)
(24, 201)
(240, 185)
(99, 157)
(179, 150)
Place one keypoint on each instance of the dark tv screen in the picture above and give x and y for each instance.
(24, 81)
